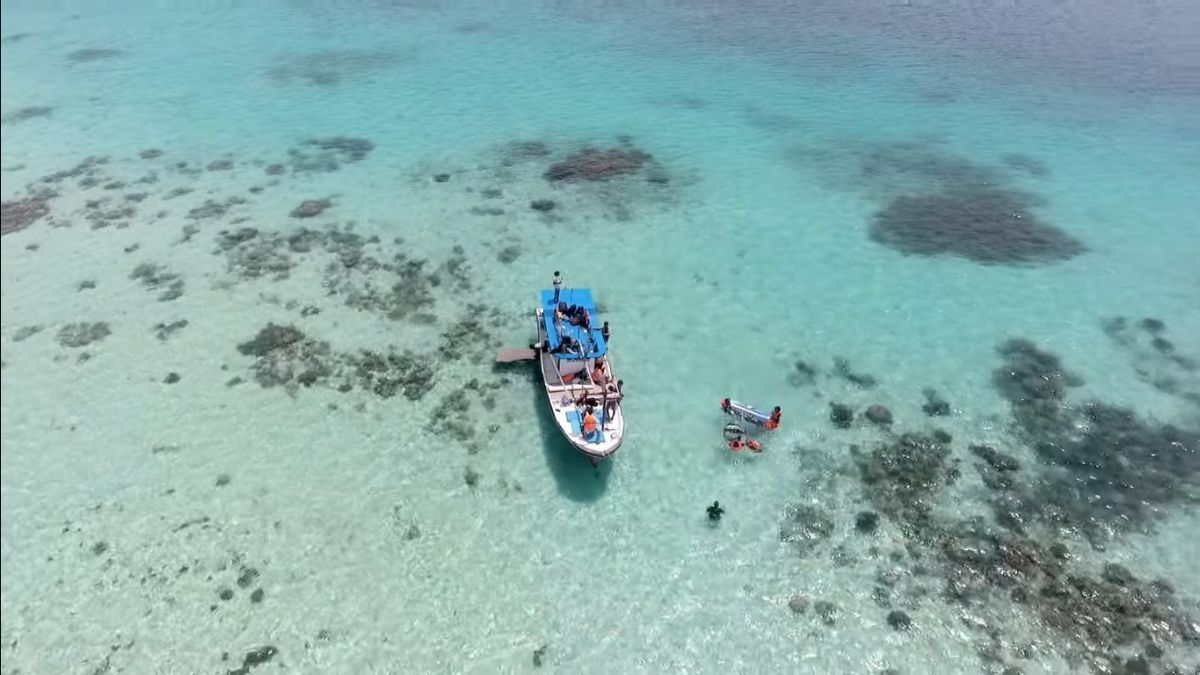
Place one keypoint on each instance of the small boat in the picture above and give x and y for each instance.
(572, 354)
(749, 413)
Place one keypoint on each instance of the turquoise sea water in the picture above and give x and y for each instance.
(182, 524)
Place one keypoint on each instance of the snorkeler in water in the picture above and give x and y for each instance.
(715, 511)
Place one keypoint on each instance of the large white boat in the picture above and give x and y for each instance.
(582, 389)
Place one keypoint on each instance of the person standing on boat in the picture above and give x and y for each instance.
(558, 281)
(604, 332)
(612, 397)
(589, 424)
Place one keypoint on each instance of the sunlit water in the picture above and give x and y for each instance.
(175, 524)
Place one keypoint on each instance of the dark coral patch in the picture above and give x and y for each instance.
(83, 334)
(1112, 469)
(93, 54)
(593, 164)
(986, 225)
(903, 477)
(310, 208)
(350, 149)
(20, 214)
(330, 68)
(1033, 167)
(285, 354)
(23, 114)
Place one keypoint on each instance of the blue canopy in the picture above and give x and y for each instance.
(592, 341)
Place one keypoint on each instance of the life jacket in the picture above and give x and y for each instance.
(589, 424)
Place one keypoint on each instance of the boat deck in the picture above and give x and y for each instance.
(570, 395)
(556, 329)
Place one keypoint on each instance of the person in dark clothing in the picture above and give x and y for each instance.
(715, 511)
(604, 332)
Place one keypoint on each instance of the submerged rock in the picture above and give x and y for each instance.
(255, 657)
(805, 526)
(902, 477)
(468, 334)
(164, 331)
(542, 205)
(25, 332)
(20, 214)
(93, 54)
(1113, 469)
(983, 224)
(841, 368)
(310, 208)
(935, 405)
(508, 254)
(841, 415)
(1118, 574)
(285, 354)
(899, 620)
(827, 611)
(1034, 382)
(387, 374)
(592, 164)
(82, 334)
(24, 114)
(802, 375)
(879, 415)
(347, 148)
(1153, 326)
(866, 522)
(155, 277)
(798, 604)
(997, 460)
(1095, 617)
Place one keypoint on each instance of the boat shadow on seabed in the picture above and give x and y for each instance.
(577, 479)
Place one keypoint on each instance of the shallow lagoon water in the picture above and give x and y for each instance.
(384, 539)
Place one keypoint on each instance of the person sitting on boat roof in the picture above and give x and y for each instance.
(566, 345)
(574, 315)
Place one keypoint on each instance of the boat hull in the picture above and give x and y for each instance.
(569, 393)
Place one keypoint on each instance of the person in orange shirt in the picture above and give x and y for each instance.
(776, 418)
(589, 423)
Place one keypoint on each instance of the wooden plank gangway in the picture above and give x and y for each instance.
(514, 354)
